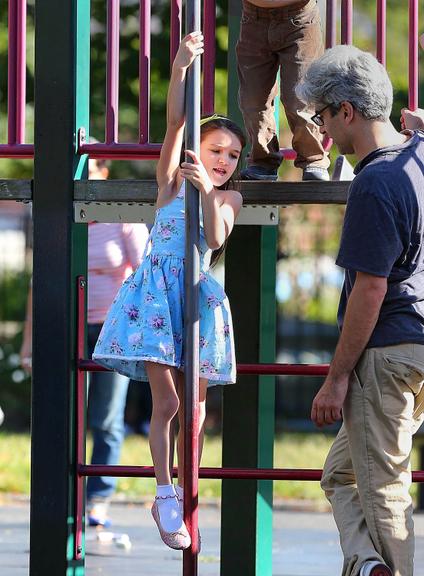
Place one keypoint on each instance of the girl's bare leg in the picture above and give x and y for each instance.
(163, 384)
(203, 383)
(165, 510)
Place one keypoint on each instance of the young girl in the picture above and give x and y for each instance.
(143, 333)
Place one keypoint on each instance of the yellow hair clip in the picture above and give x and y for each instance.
(210, 118)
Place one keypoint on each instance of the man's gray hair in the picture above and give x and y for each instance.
(345, 73)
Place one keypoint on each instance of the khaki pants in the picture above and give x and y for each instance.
(271, 40)
(367, 474)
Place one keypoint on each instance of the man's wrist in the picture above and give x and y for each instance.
(337, 377)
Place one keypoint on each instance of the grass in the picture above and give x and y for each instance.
(290, 451)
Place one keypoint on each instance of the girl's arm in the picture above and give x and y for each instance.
(220, 207)
(169, 161)
(220, 210)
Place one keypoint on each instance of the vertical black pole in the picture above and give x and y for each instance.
(191, 311)
(53, 449)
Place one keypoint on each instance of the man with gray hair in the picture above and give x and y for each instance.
(376, 376)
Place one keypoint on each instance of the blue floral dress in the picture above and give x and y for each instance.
(146, 319)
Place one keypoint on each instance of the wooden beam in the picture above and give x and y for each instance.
(254, 192)
(15, 189)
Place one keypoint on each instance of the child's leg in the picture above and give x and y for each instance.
(257, 68)
(163, 383)
(165, 510)
(203, 384)
(305, 46)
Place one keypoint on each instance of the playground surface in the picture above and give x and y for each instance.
(305, 544)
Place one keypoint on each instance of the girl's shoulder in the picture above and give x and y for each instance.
(232, 197)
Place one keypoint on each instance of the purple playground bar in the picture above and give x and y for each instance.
(112, 72)
(176, 27)
(346, 21)
(381, 31)
(16, 71)
(209, 24)
(16, 76)
(413, 55)
(258, 369)
(144, 67)
(331, 24)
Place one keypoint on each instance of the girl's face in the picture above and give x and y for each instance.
(219, 152)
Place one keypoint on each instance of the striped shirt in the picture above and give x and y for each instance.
(114, 251)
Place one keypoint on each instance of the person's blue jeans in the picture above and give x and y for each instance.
(106, 405)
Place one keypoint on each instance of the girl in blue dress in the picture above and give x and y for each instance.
(142, 336)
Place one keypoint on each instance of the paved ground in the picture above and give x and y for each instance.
(305, 544)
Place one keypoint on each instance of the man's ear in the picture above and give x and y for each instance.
(348, 111)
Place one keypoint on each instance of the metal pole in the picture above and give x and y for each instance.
(144, 67)
(347, 21)
(52, 529)
(331, 24)
(381, 31)
(112, 72)
(413, 55)
(16, 71)
(61, 54)
(191, 307)
(260, 369)
(80, 420)
(209, 29)
(144, 76)
(176, 17)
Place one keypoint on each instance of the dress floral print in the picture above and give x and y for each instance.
(145, 321)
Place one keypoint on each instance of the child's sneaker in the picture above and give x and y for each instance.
(97, 514)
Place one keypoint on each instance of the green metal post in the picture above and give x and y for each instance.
(59, 255)
(248, 412)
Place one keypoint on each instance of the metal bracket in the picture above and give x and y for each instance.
(85, 212)
(81, 137)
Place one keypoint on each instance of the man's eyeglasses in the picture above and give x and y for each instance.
(317, 118)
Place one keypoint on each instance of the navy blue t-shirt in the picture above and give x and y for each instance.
(383, 235)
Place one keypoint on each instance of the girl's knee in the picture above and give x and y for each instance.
(167, 408)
